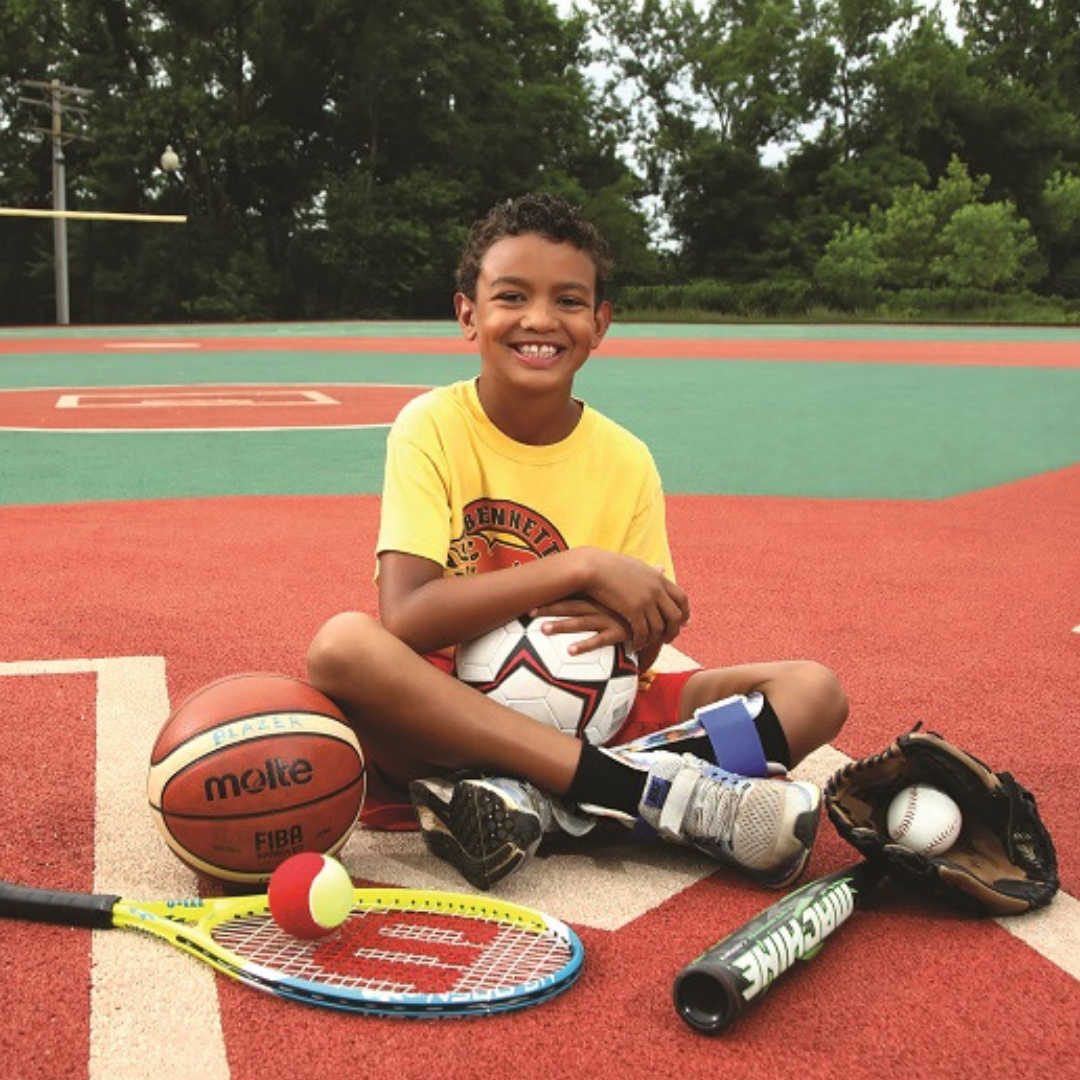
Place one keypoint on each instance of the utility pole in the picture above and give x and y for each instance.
(56, 94)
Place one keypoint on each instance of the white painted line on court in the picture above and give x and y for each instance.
(1053, 931)
(139, 986)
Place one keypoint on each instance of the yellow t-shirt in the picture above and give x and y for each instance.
(461, 493)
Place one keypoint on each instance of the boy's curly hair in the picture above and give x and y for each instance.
(548, 216)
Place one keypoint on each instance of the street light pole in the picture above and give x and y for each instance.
(56, 92)
(59, 186)
(170, 165)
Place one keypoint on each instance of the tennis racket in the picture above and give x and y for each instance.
(401, 952)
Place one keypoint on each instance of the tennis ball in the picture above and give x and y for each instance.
(310, 895)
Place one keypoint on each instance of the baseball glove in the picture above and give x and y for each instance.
(1002, 863)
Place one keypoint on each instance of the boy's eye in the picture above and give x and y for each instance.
(569, 302)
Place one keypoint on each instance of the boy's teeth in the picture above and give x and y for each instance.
(538, 350)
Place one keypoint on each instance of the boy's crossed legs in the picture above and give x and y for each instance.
(523, 777)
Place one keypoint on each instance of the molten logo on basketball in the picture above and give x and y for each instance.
(274, 774)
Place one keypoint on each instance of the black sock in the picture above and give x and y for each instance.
(605, 781)
(770, 731)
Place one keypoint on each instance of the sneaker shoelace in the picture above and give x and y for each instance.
(712, 816)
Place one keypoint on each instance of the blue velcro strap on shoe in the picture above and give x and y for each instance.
(654, 796)
(733, 734)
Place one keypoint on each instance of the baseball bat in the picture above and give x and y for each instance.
(712, 991)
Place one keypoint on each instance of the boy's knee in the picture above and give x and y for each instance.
(824, 693)
(332, 652)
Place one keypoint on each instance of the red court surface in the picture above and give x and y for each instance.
(961, 613)
(942, 352)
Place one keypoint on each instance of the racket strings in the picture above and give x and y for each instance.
(516, 957)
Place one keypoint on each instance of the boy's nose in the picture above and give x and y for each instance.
(539, 316)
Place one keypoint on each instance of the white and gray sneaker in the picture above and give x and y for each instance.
(484, 826)
(764, 825)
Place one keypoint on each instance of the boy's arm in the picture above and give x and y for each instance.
(430, 611)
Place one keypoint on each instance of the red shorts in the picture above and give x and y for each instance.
(656, 707)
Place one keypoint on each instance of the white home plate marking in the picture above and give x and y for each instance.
(179, 399)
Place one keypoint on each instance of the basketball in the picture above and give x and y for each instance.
(251, 770)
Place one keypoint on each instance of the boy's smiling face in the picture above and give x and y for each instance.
(535, 317)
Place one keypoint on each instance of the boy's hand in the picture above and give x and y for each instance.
(581, 617)
(652, 606)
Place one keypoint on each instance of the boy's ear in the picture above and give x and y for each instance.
(601, 322)
(465, 310)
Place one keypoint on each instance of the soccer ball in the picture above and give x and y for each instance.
(589, 696)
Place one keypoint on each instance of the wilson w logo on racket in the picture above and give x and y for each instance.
(401, 952)
(420, 955)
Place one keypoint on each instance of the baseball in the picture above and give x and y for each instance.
(924, 819)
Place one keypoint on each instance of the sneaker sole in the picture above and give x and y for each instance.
(482, 837)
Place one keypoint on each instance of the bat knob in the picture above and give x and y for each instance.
(704, 1001)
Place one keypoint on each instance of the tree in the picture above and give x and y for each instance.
(856, 35)
(705, 88)
(907, 233)
(1058, 228)
(947, 235)
(1037, 44)
(473, 103)
(1022, 122)
(744, 60)
(849, 271)
(986, 246)
(724, 204)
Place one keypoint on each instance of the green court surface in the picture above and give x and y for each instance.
(420, 329)
(844, 430)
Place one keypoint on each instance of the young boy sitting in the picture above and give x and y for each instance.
(586, 539)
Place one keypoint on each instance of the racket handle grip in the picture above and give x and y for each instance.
(54, 906)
